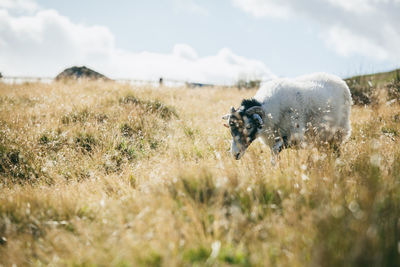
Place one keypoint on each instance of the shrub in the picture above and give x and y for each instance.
(85, 142)
(151, 106)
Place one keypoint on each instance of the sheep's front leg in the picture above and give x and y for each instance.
(298, 131)
(280, 144)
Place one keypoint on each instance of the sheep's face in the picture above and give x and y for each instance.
(244, 129)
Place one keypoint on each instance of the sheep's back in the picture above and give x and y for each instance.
(317, 97)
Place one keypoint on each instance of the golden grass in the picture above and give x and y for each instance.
(104, 174)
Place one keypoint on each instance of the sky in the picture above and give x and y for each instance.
(199, 41)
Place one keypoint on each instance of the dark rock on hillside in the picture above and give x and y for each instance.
(80, 73)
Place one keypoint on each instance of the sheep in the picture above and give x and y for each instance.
(311, 109)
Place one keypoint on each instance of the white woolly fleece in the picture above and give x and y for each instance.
(292, 105)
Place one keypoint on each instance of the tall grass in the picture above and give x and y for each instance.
(98, 173)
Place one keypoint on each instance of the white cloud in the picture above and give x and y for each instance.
(189, 6)
(355, 6)
(354, 44)
(19, 5)
(364, 27)
(184, 64)
(185, 51)
(44, 42)
(264, 8)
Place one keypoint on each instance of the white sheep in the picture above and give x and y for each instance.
(293, 112)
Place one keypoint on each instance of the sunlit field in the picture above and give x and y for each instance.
(105, 174)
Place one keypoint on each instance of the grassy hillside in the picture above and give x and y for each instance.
(367, 89)
(103, 174)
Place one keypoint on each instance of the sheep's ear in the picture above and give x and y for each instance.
(226, 125)
(226, 117)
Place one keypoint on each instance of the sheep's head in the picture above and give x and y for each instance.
(245, 125)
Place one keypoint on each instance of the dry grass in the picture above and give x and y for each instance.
(102, 174)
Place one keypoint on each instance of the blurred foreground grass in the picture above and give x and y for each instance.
(103, 174)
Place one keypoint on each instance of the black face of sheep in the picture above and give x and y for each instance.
(244, 125)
